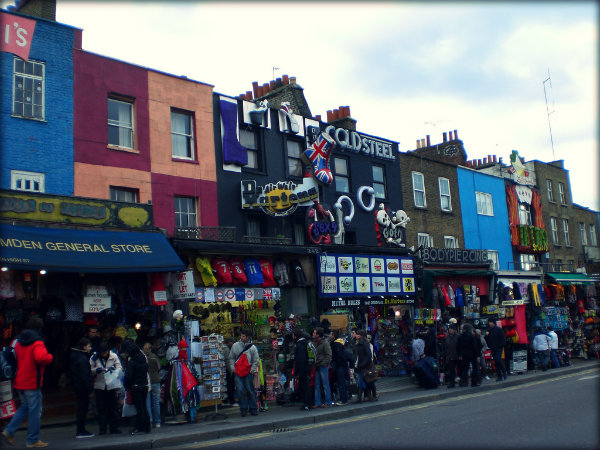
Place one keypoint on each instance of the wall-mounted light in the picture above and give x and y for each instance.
(137, 325)
(397, 313)
(4, 269)
(43, 272)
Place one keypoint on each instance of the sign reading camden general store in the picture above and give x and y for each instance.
(354, 142)
(352, 275)
(278, 199)
(454, 255)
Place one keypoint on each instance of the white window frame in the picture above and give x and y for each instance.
(379, 185)
(418, 178)
(593, 239)
(525, 214)
(182, 138)
(122, 194)
(561, 193)
(125, 126)
(294, 162)
(550, 191)
(554, 230)
(27, 80)
(493, 255)
(485, 205)
(425, 240)
(528, 261)
(450, 242)
(565, 227)
(249, 140)
(445, 194)
(186, 215)
(583, 233)
(21, 180)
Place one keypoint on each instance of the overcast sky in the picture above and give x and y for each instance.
(405, 69)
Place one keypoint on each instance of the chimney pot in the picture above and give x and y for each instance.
(455, 135)
(292, 80)
(336, 114)
(348, 111)
(445, 135)
(259, 91)
(271, 85)
(318, 117)
(428, 141)
(248, 95)
(329, 116)
(266, 88)
(255, 88)
(485, 160)
(479, 162)
(495, 159)
(285, 79)
(418, 143)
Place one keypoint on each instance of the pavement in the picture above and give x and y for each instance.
(394, 392)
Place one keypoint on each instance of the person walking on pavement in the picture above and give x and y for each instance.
(553, 346)
(301, 368)
(364, 360)
(82, 379)
(102, 362)
(32, 359)
(495, 341)
(322, 361)
(451, 355)
(484, 347)
(244, 385)
(136, 381)
(468, 349)
(154, 395)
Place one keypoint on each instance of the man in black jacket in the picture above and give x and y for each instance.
(451, 355)
(468, 350)
(81, 376)
(136, 381)
(495, 341)
(302, 367)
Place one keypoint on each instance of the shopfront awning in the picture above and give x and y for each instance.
(570, 278)
(75, 250)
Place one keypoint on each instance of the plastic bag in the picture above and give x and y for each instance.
(129, 410)
(113, 379)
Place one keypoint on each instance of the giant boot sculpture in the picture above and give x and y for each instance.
(318, 157)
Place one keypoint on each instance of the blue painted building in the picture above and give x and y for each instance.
(36, 129)
(485, 215)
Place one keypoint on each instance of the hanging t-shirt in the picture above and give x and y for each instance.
(267, 272)
(299, 277)
(205, 270)
(238, 273)
(221, 269)
(253, 271)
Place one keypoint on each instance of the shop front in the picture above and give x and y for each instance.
(569, 305)
(375, 292)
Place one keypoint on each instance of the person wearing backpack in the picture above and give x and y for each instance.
(341, 361)
(244, 363)
(32, 359)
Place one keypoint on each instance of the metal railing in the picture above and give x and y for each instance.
(221, 234)
(267, 240)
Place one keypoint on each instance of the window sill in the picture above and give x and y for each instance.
(122, 149)
(183, 160)
(446, 211)
(29, 118)
(420, 207)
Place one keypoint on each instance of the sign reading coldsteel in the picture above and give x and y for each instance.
(454, 255)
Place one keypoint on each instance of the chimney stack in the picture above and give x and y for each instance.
(445, 135)
(428, 142)
(455, 135)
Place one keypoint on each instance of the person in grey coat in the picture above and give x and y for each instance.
(245, 385)
(322, 361)
(451, 355)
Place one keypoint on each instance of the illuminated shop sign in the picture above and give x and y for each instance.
(278, 199)
(351, 275)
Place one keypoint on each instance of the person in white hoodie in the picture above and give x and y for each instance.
(553, 346)
(101, 362)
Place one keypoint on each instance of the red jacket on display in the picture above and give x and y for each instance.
(32, 359)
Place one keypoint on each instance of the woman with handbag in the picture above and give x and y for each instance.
(106, 366)
(364, 366)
